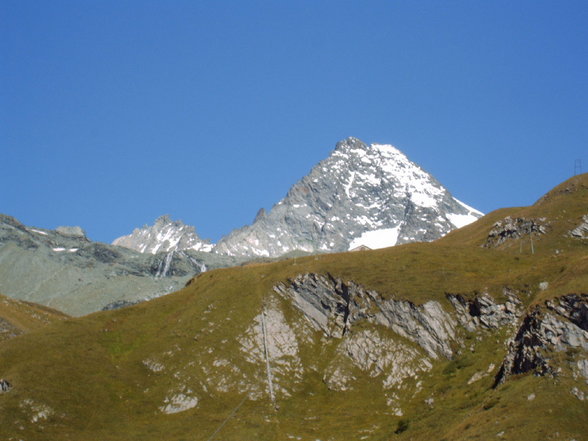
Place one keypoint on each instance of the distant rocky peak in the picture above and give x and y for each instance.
(164, 235)
(166, 220)
(350, 143)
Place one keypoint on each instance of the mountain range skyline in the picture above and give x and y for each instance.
(360, 195)
(114, 114)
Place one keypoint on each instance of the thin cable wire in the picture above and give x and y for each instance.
(227, 418)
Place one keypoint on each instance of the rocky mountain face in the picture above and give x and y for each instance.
(164, 236)
(428, 332)
(65, 270)
(361, 195)
(369, 195)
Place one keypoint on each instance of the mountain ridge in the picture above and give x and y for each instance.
(360, 195)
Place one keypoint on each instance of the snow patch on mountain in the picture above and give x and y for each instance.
(461, 220)
(386, 237)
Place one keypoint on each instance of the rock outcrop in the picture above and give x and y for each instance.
(559, 326)
(581, 231)
(71, 231)
(514, 228)
(5, 386)
(333, 306)
(483, 311)
(271, 342)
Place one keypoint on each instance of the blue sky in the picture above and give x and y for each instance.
(115, 112)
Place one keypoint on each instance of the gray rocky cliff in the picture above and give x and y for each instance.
(333, 306)
(561, 325)
(360, 195)
(482, 311)
(389, 339)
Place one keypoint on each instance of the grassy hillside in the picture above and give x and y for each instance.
(18, 317)
(110, 375)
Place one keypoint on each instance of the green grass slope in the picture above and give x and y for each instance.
(19, 317)
(107, 376)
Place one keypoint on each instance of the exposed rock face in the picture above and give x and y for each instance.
(329, 304)
(333, 307)
(429, 325)
(272, 342)
(574, 307)
(581, 231)
(369, 351)
(360, 195)
(562, 326)
(64, 270)
(509, 228)
(386, 338)
(422, 333)
(164, 236)
(483, 311)
(179, 402)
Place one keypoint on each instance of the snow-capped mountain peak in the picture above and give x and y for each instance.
(370, 195)
(165, 235)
